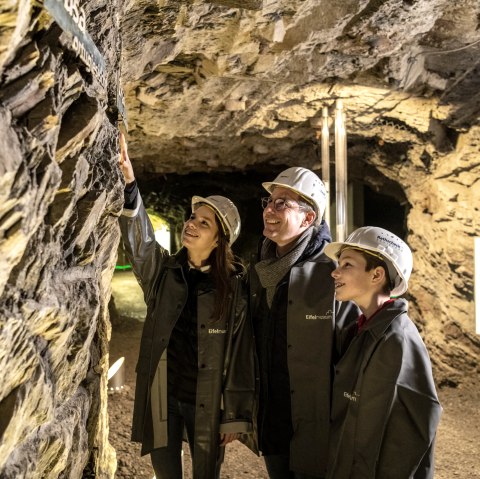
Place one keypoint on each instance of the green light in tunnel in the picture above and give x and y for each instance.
(126, 266)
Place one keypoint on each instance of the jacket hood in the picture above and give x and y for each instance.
(320, 238)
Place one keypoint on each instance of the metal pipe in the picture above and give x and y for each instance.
(325, 149)
(340, 172)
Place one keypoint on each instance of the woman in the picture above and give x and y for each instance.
(196, 361)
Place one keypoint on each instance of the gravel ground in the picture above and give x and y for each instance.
(458, 442)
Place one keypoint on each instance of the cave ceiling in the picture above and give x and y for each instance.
(210, 86)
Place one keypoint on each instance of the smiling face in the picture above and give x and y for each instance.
(285, 226)
(353, 282)
(200, 232)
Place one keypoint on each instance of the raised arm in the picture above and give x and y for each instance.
(124, 161)
(144, 253)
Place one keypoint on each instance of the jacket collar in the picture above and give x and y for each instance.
(180, 259)
(177, 260)
(385, 317)
(314, 251)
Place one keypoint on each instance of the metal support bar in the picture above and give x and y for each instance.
(325, 149)
(340, 171)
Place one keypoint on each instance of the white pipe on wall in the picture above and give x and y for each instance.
(326, 160)
(340, 172)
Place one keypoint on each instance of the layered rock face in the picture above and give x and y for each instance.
(205, 82)
(60, 193)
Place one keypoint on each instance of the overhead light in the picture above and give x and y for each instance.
(116, 376)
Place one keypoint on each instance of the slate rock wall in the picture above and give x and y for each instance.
(60, 195)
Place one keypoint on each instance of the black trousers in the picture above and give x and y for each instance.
(167, 461)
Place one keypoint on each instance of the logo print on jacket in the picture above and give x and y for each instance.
(351, 397)
(216, 331)
(327, 315)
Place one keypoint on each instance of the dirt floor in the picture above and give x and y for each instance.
(458, 442)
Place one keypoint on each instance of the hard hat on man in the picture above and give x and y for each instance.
(305, 183)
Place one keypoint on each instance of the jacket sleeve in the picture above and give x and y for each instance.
(144, 253)
(400, 412)
(239, 374)
(410, 431)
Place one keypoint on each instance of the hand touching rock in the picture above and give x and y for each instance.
(124, 161)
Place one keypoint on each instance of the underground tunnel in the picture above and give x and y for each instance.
(216, 97)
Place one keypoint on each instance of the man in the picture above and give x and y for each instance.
(294, 315)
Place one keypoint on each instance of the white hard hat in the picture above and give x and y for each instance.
(395, 252)
(306, 184)
(226, 212)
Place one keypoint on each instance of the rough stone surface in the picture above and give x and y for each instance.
(185, 64)
(60, 194)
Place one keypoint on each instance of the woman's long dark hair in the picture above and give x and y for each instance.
(222, 261)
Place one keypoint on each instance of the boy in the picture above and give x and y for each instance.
(385, 409)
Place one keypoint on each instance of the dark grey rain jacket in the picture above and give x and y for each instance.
(312, 314)
(385, 408)
(226, 374)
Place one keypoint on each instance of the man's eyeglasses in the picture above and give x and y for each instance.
(280, 204)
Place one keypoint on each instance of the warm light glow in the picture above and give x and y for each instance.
(161, 229)
(477, 285)
(115, 367)
(162, 235)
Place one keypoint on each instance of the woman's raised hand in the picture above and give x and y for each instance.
(124, 161)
